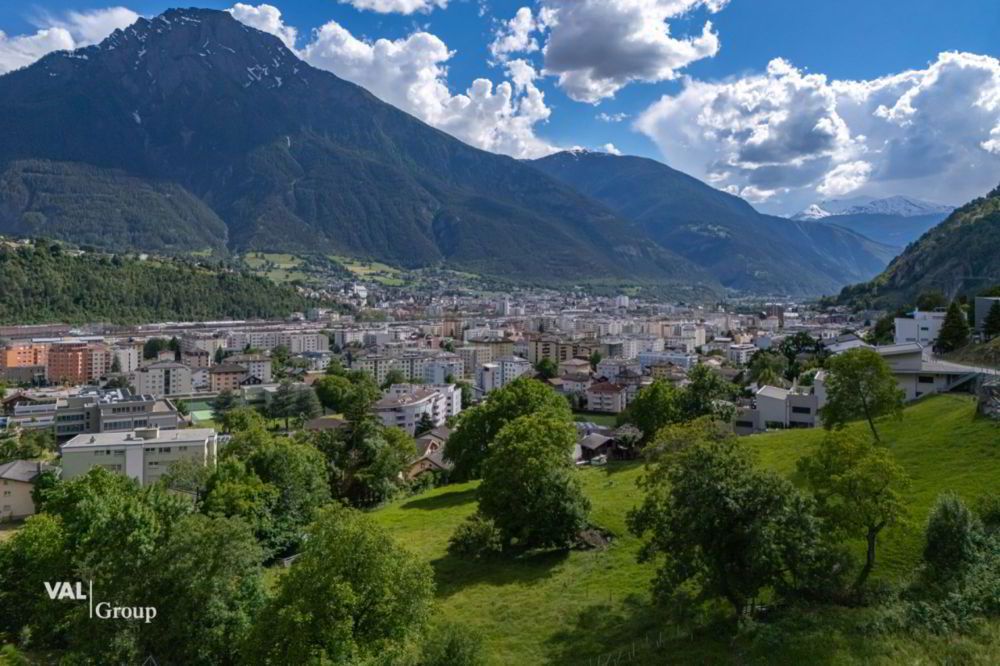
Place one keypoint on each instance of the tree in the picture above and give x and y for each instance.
(365, 463)
(299, 473)
(225, 401)
(333, 391)
(307, 404)
(859, 488)
(954, 332)
(654, 407)
(242, 419)
(284, 402)
(469, 444)
(530, 489)
(209, 586)
(595, 359)
(931, 300)
(425, 424)
(394, 376)
(953, 538)
(717, 523)
(768, 368)
(116, 364)
(234, 491)
(860, 385)
(352, 596)
(991, 325)
(546, 368)
(707, 394)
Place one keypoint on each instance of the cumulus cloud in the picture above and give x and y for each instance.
(597, 47)
(611, 149)
(411, 73)
(266, 18)
(516, 35)
(785, 137)
(57, 33)
(396, 6)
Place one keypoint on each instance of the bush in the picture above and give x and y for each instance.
(452, 645)
(953, 537)
(988, 508)
(476, 539)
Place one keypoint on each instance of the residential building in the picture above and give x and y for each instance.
(574, 366)
(438, 369)
(128, 357)
(741, 353)
(473, 357)
(143, 454)
(78, 362)
(226, 377)
(918, 374)
(492, 376)
(196, 358)
(680, 359)
(17, 480)
(404, 405)
(257, 365)
(607, 397)
(920, 327)
(163, 378)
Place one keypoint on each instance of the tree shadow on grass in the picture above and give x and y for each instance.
(443, 501)
(452, 574)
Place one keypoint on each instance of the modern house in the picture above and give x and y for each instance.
(920, 327)
(144, 454)
(405, 405)
(607, 397)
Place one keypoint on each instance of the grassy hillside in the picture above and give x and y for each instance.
(572, 608)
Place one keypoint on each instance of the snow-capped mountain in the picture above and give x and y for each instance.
(897, 206)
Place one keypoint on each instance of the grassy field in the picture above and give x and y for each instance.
(277, 267)
(372, 270)
(599, 418)
(592, 607)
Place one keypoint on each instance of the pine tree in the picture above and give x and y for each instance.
(954, 331)
(991, 325)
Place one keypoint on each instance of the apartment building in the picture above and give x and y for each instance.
(441, 366)
(196, 358)
(740, 354)
(78, 362)
(497, 347)
(95, 410)
(257, 365)
(143, 454)
(127, 356)
(678, 358)
(492, 376)
(607, 397)
(163, 378)
(557, 350)
(24, 362)
(473, 357)
(226, 377)
(405, 405)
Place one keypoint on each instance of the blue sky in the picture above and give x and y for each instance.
(811, 99)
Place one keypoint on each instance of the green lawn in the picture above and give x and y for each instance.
(576, 607)
(600, 418)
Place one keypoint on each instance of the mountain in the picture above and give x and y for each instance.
(192, 131)
(960, 256)
(721, 233)
(46, 284)
(897, 206)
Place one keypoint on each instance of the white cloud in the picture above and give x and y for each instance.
(597, 47)
(845, 178)
(411, 73)
(266, 18)
(612, 117)
(71, 31)
(786, 138)
(515, 35)
(396, 6)
(611, 149)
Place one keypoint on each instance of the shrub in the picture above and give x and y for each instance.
(475, 539)
(451, 644)
(954, 535)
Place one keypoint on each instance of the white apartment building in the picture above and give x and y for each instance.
(128, 357)
(163, 378)
(144, 454)
(473, 357)
(492, 376)
(741, 353)
(681, 359)
(921, 327)
(404, 405)
(257, 365)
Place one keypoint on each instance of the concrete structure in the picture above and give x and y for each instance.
(918, 374)
(17, 480)
(492, 376)
(681, 359)
(920, 327)
(444, 365)
(163, 378)
(144, 454)
(95, 410)
(740, 354)
(78, 362)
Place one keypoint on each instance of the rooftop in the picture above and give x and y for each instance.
(134, 438)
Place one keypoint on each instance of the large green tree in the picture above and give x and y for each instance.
(469, 445)
(654, 407)
(530, 489)
(716, 523)
(353, 596)
(954, 332)
(859, 487)
(333, 391)
(991, 325)
(860, 385)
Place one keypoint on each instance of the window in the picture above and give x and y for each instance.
(164, 449)
(6, 493)
(801, 410)
(925, 379)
